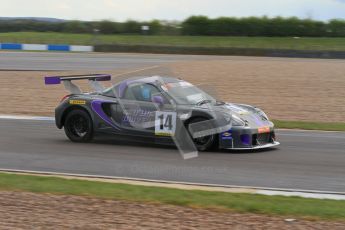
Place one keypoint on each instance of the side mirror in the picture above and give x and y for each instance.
(158, 99)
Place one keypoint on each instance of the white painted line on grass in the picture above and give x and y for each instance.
(301, 194)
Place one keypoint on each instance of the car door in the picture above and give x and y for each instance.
(135, 111)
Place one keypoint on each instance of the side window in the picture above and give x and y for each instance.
(111, 92)
(129, 94)
(140, 92)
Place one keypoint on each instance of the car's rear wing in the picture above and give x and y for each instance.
(74, 89)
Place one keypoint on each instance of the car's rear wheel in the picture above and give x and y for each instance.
(202, 143)
(78, 126)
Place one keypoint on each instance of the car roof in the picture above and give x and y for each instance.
(156, 80)
(151, 79)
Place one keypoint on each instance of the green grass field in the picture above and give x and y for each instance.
(308, 125)
(197, 41)
(271, 205)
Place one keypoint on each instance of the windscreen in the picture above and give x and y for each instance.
(185, 93)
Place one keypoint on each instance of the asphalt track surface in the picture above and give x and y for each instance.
(110, 61)
(307, 160)
(87, 61)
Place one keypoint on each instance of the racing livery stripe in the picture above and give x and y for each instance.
(96, 106)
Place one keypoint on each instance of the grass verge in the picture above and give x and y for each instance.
(305, 43)
(270, 205)
(307, 125)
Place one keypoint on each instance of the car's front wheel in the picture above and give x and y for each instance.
(202, 143)
(78, 126)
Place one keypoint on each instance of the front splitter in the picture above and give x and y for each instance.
(269, 145)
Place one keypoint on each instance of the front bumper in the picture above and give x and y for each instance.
(248, 138)
(268, 145)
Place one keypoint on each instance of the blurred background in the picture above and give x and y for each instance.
(289, 24)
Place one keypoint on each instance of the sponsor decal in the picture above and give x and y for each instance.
(77, 102)
(227, 135)
(137, 116)
(182, 84)
(265, 129)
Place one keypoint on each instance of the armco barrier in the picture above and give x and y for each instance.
(11, 46)
(226, 51)
(45, 47)
(58, 48)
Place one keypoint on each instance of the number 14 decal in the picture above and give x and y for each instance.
(165, 123)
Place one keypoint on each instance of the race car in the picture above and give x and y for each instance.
(163, 110)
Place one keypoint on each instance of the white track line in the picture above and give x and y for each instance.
(23, 117)
(308, 130)
(190, 185)
(302, 194)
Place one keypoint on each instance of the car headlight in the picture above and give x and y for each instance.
(261, 113)
(236, 121)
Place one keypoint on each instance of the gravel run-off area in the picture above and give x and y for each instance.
(23, 210)
(287, 89)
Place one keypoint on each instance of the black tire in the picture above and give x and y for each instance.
(78, 126)
(202, 143)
